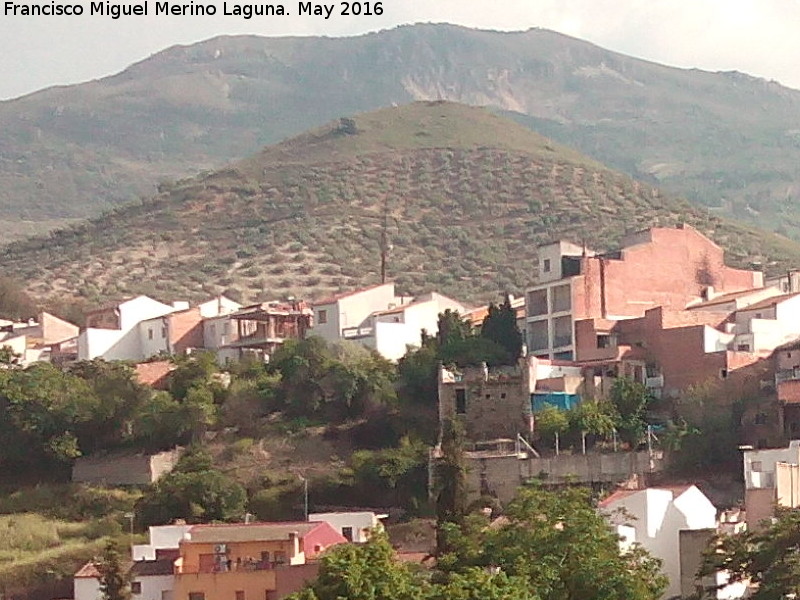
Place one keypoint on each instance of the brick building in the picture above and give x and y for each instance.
(670, 268)
(497, 402)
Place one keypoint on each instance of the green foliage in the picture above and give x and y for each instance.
(552, 546)
(15, 304)
(115, 581)
(561, 547)
(335, 381)
(767, 557)
(364, 572)
(630, 399)
(500, 326)
(194, 491)
(451, 475)
(399, 471)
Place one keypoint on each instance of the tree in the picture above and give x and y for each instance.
(451, 327)
(364, 572)
(768, 558)
(630, 399)
(500, 326)
(114, 576)
(564, 550)
(550, 546)
(451, 475)
(14, 301)
(194, 491)
(551, 421)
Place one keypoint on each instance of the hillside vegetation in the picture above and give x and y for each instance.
(464, 197)
(724, 140)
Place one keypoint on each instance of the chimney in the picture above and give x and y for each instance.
(294, 538)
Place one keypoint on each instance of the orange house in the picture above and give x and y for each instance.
(253, 561)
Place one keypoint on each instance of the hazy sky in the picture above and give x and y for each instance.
(760, 37)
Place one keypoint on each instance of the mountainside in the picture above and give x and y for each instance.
(462, 196)
(723, 140)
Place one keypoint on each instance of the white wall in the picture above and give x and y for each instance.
(154, 586)
(153, 337)
(161, 537)
(218, 306)
(217, 331)
(360, 522)
(140, 308)
(352, 310)
(763, 475)
(86, 588)
(657, 518)
(110, 344)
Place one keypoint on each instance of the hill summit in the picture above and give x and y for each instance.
(461, 197)
(723, 140)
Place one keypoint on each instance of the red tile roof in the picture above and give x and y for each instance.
(88, 570)
(154, 373)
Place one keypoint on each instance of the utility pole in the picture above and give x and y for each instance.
(384, 242)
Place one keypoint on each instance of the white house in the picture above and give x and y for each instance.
(351, 309)
(142, 327)
(765, 325)
(770, 477)
(654, 519)
(38, 340)
(392, 331)
(162, 537)
(152, 570)
(377, 318)
(112, 331)
(354, 526)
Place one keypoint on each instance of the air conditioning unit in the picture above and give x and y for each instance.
(220, 549)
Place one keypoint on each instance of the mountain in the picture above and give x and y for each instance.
(461, 196)
(723, 140)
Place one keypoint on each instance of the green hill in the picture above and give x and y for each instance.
(723, 140)
(464, 197)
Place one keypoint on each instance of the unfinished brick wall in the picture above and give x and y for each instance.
(497, 403)
(671, 269)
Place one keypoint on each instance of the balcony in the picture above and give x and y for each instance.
(352, 333)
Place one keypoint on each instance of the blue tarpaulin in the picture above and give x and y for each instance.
(560, 400)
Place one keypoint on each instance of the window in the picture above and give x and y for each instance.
(280, 557)
(603, 340)
(163, 332)
(488, 396)
(758, 315)
(503, 395)
(788, 355)
(150, 334)
(743, 348)
(265, 558)
(546, 266)
(136, 587)
(322, 317)
(347, 532)
(239, 594)
(213, 330)
(723, 373)
(461, 401)
(756, 466)
(197, 596)
(761, 418)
